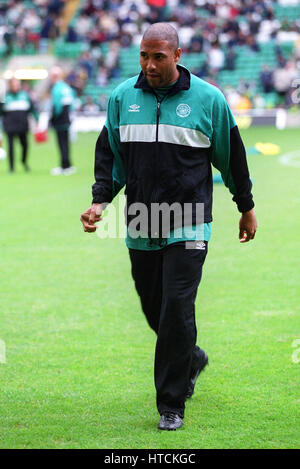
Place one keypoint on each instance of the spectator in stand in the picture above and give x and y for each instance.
(20, 39)
(8, 39)
(196, 43)
(253, 20)
(283, 79)
(216, 57)
(15, 12)
(86, 62)
(159, 7)
(252, 43)
(76, 79)
(111, 62)
(55, 7)
(125, 39)
(90, 108)
(270, 26)
(89, 8)
(230, 58)
(50, 28)
(231, 28)
(202, 71)
(33, 38)
(266, 79)
(95, 37)
(30, 20)
(102, 77)
(83, 25)
(108, 25)
(71, 35)
(42, 5)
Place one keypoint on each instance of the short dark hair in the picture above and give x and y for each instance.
(162, 32)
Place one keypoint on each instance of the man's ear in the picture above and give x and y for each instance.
(177, 54)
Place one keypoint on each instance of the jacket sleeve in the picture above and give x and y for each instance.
(56, 102)
(228, 155)
(33, 110)
(109, 169)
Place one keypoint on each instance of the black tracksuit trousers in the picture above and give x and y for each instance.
(167, 281)
(64, 147)
(23, 140)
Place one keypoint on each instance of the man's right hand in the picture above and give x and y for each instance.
(91, 216)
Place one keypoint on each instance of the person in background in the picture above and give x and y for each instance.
(216, 57)
(230, 59)
(15, 110)
(266, 79)
(62, 97)
(283, 80)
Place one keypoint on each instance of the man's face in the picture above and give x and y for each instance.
(15, 85)
(158, 61)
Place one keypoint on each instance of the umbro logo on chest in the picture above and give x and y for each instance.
(134, 108)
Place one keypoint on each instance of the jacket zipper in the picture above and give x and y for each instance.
(155, 191)
(160, 239)
(158, 103)
(157, 118)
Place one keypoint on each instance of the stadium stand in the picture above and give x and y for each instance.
(238, 45)
(27, 26)
(242, 36)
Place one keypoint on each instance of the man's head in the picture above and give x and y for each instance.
(159, 54)
(14, 85)
(56, 74)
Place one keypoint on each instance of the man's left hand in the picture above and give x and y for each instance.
(248, 226)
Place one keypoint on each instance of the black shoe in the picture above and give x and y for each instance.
(26, 167)
(170, 421)
(195, 374)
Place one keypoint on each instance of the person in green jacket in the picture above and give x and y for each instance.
(62, 98)
(164, 130)
(15, 111)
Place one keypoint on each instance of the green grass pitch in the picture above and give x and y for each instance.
(79, 354)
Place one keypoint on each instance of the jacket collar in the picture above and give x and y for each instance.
(183, 82)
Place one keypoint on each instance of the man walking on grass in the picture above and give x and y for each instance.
(164, 129)
(62, 98)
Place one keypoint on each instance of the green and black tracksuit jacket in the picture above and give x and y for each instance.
(162, 151)
(15, 110)
(62, 97)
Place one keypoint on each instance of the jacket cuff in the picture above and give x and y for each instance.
(244, 204)
(100, 196)
(97, 200)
